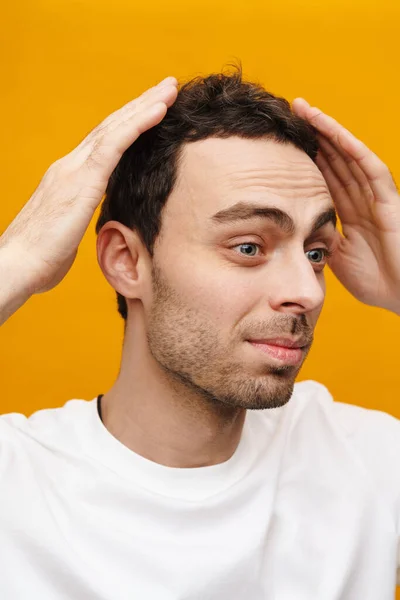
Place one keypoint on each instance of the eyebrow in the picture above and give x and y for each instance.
(244, 212)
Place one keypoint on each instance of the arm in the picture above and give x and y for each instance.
(14, 290)
(40, 245)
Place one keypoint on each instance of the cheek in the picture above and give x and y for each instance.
(217, 293)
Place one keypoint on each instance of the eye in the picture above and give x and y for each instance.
(316, 252)
(247, 248)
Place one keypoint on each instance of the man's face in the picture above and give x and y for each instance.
(220, 281)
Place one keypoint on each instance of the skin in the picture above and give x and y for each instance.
(187, 372)
(367, 260)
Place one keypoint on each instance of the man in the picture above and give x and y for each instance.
(215, 231)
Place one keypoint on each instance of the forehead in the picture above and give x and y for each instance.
(215, 173)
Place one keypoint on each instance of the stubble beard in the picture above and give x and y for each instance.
(186, 346)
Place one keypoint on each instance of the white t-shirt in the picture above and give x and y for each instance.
(307, 508)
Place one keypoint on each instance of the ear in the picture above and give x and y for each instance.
(124, 260)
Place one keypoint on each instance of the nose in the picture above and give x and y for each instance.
(297, 287)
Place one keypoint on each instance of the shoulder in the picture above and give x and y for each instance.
(50, 426)
(366, 428)
(369, 437)
(356, 422)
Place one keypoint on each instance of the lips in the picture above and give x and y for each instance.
(282, 342)
(287, 355)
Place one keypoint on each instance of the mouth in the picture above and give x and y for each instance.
(284, 351)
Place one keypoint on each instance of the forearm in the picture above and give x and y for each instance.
(14, 288)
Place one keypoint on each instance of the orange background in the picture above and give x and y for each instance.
(67, 64)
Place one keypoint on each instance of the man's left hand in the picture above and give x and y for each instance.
(366, 259)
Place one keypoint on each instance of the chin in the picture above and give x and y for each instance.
(258, 393)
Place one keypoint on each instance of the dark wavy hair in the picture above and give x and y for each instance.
(219, 105)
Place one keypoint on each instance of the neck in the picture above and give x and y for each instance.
(164, 419)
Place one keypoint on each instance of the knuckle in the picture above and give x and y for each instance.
(55, 166)
(57, 169)
(53, 171)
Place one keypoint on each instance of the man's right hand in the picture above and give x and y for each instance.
(45, 235)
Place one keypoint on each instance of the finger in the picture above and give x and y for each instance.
(167, 95)
(150, 92)
(327, 132)
(154, 94)
(377, 173)
(351, 201)
(351, 177)
(128, 131)
(375, 170)
(353, 182)
(343, 204)
(354, 168)
(324, 123)
(106, 154)
(129, 125)
(300, 106)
